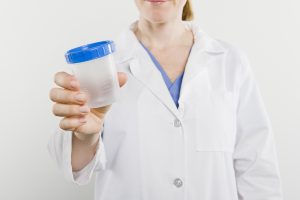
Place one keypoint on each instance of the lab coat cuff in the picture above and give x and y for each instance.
(98, 163)
(83, 176)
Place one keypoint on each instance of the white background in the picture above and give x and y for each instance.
(34, 35)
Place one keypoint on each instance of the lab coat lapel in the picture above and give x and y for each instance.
(144, 70)
(203, 54)
(197, 62)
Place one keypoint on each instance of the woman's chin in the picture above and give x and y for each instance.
(158, 19)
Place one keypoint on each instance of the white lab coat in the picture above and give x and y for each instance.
(218, 145)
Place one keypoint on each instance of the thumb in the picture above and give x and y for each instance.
(122, 78)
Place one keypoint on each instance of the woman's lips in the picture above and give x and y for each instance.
(157, 1)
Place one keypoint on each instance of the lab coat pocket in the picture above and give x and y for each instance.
(215, 122)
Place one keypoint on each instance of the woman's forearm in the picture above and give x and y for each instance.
(84, 148)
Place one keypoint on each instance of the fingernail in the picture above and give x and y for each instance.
(74, 84)
(84, 109)
(82, 120)
(80, 97)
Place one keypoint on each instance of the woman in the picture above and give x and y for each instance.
(190, 122)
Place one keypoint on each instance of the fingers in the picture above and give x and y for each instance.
(70, 82)
(72, 123)
(66, 81)
(64, 110)
(63, 96)
(122, 78)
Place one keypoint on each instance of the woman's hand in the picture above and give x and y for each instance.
(71, 104)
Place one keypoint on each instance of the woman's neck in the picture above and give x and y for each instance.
(163, 35)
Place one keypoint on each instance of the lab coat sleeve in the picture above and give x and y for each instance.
(255, 158)
(60, 148)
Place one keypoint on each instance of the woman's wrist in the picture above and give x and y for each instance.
(87, 139)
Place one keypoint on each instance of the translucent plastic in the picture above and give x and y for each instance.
(99, 79)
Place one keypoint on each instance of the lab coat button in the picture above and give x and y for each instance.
(178, 182)
(177, 123)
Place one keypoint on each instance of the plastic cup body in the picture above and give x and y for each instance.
(98, 77)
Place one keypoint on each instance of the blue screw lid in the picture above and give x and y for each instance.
(90, 52)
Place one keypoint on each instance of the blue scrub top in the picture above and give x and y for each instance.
(174, 88)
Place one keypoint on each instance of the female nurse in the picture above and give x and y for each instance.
(190, 122)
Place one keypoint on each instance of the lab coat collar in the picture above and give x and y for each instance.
(141, 66)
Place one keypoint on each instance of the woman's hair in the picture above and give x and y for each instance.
(188, 14)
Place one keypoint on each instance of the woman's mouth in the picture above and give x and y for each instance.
(156, 2)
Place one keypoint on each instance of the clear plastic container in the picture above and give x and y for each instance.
(93, 65)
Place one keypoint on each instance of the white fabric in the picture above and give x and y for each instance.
(219, 141)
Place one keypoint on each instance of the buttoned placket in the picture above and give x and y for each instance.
(179, 178)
